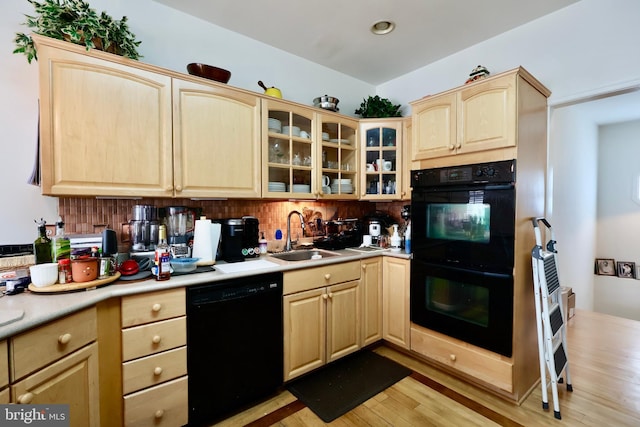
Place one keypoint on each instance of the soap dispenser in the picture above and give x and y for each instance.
(396, 241)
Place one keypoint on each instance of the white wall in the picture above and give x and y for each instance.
(169, 39)
(618, 216)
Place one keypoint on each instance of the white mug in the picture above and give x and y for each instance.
(370, 167)
(326, 180)
(366, 240)
(387, 165)
(379, 163)
(304, 134)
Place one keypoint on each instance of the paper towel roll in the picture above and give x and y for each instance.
(202, 244)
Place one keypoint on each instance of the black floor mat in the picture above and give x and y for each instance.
(346, 383)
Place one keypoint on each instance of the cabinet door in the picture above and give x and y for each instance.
(407, 134)
(487, 115)
(216, 141)
(395, 290)
(343, 319)
(105, 127)
(339, 157)
(72, 380)
(434, 127)
(371, 288)
(4, 365)
(304, 332)
(381, 159)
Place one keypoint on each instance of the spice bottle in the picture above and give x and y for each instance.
(42, 245)
(162, 268)
(262, 243)
(64, 271)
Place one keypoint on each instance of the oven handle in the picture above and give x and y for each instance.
(465, 270)
(450, 188)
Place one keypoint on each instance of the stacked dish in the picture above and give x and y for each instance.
(301, 188)
(343, 186)
(275, 125)
(325, 136)
(278, 187)
(295, 130)
(343, 141)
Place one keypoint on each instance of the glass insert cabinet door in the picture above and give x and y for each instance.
(339, 158)
(289, 151)
(381, 158)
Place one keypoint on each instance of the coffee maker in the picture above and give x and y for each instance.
(239, 239)
(143, 228)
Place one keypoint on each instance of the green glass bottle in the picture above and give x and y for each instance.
(42, 245)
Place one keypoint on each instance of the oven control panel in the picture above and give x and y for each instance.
(479, 173)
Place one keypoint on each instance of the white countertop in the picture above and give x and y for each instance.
(42, 308)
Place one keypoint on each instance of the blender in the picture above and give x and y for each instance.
(143, 228)
(180, 222)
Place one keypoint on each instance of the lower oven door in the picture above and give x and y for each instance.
(472, 306)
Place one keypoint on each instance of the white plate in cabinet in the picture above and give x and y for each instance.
(160, 406)
(150, 307)
(153, 370)
(53, 341)
(153, 338)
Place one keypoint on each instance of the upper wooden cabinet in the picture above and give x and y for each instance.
(338, 152)
(381, 159)
(476, 118)
(111, 126)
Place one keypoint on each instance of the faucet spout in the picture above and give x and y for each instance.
(289, 244)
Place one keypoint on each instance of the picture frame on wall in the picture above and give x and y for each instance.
(626, 269)
(605, 267)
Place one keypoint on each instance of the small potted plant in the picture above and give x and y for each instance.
(76, 22)
(377, 107)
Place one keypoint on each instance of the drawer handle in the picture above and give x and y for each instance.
(156, 339)
(157, 371)
(159, 414)
(327, 276)
(64, 339)
(452, 357)
(25, 398)
(156, 307)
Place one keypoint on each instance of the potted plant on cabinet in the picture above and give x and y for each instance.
(377, 107)
(76, 22)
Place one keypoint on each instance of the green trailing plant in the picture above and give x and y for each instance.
(374, 106)
(76, 22)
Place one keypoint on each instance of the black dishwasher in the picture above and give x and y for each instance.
(234, 345)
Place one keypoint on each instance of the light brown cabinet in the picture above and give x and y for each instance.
(395, 297)
(338, 154)
(481, 117)
(64, 370)
(116, 127)
(154, 358)
(321, 316)
(381, 159)
(371, 291)
(4, 373)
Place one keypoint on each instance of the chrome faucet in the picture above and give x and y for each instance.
(289, 246)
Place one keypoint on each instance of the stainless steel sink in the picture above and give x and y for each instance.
(303, 255)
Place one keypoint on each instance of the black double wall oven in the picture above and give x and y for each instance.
(463, 227)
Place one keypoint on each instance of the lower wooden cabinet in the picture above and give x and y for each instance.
(395, 297)
(4, 373)
(321, 323)
(371, 292)
(163, 405)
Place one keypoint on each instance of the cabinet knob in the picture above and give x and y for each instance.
(327, 276)
(364, 266)
(452, 357)
(156, 307)
(325, 296)
(159, 414)
(459, 145)
(64, 339)
(157, 371)
(452, 147)
(330, 295)
(25, 398)
(156, 339)
(178, 188)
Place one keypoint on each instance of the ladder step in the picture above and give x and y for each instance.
(551, 273)
(556, 319)
(560, 359)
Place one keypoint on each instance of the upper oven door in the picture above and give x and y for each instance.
(465, 226)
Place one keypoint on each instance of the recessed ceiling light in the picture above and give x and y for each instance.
(382, 27)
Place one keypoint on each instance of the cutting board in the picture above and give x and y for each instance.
(73, 286)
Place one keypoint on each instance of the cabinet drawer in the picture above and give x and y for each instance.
(153, 338)
(41, 346)
(153, 370)
(481, 364)
(4, 364)
(311, 278)
(146, 308)
(163, 405)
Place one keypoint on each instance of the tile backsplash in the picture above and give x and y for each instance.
(84, 215)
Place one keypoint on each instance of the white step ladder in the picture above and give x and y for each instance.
(552, 335)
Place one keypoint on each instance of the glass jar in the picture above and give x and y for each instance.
(64, 271)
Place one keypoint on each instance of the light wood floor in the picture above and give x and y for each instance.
(604, 361)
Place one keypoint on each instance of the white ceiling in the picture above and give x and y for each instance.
(335, 33)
